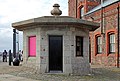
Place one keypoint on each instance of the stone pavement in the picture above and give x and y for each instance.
(22, 73)
(4, 76)
(7, 77)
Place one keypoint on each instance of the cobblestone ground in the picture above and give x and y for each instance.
(98, 74)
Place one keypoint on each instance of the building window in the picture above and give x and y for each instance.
(32, 46)
(81, 12)
(99, 44)
(111, 43)
(79, 46)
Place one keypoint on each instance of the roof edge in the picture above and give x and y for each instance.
(99, 8)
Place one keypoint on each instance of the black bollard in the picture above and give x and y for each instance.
(16, 62)
(10, 57)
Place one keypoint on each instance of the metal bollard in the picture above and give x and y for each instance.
(16, 62)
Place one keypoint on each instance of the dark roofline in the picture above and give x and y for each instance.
(93, 10)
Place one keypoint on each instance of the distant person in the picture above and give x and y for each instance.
(5, 56)
(20, 56)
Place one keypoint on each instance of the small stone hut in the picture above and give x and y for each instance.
(56, 44)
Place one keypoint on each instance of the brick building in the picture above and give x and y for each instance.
(103, 41)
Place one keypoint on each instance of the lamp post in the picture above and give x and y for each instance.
(16, 59)
(15, 42)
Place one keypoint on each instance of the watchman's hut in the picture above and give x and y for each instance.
(56, 44)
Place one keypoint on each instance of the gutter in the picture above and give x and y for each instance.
(99, 8)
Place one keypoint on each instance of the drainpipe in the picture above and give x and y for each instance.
(102, 17)
(76, 8)
(118, 38)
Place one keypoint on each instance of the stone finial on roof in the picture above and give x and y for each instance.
(56, 11)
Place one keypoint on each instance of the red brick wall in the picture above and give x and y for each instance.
(110, 25)
(72, 8)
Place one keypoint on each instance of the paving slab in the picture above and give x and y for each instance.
(7, 77)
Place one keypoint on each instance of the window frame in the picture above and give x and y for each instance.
(79, 10)
(97, 34)
(108, 32)
(109, 43)
(98, 45)
(79, 48)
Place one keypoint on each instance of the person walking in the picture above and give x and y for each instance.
(5, 56)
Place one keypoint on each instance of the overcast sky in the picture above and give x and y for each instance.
(17, 10)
